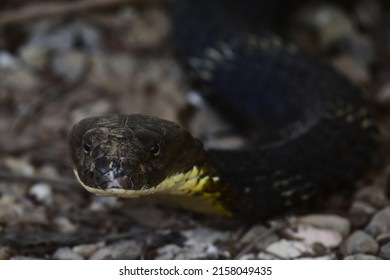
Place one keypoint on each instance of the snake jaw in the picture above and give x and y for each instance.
(123, 182)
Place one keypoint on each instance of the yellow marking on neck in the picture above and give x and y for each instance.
(186, 189)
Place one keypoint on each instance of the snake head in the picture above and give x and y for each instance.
(129, 155)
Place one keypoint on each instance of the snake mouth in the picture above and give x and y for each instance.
(115, 180)
(176, 184)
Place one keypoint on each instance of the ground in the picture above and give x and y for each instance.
(61, 62)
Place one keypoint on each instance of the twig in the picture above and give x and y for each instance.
(61, 9)
(34, 179)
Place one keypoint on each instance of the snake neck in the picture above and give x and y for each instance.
(199, 189)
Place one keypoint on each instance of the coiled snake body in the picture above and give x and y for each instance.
(324, 131)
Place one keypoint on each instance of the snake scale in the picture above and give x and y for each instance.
(323, 130)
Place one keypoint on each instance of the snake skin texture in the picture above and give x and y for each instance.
(326, 129)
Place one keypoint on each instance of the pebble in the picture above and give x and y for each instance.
(64, 224)
(384, 251)
(286, 249)
(254, 233)
(125, 249)
(42, 192)
(362, 208)
(70, 66)
(328, 23)
(331, 256)
(66, 254)
(383, 238)
(250, 256)
(380, 223)
(49, 171)
(360, 213)
(383, 94)
(359, 242)
(311, 235)
(361, 257)
(86, 250)
(21, 79)
(19, 166)
(5, 253)
(35, 56)
(7, 60)
(168, 252)
(266, 256)
(353, 68)
(203, 237)
(333, 222)
(374, 195)
(200, 243)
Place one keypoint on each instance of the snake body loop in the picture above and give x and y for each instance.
(323, 131)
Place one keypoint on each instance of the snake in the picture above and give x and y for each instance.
(319, 131)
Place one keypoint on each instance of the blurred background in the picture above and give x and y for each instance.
(61, 61)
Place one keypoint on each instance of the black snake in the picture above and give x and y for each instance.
(322, 130)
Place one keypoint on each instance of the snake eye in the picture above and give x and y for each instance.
(86, 147)
(155, 151)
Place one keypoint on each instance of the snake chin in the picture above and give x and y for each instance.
(119, 183)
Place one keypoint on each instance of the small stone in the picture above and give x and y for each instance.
(360, 213)
(247, 257)
(5, 253)
(66, 254)
(101, 203)
(361, 207)
(383, 238)
(35, 56)
(384, 251)
(203, 237)
(337, 223)
(168, 252)
(374, 195)
(64, 224)
(266, 256)
(324, 22)
(86, 250)
(285, 249)
(200, 243)
(354, 69)
(7, 60)
(380, 223)
(42, 192)
(361, 257)
(69, 65)
(254, 233)
(21, 79)
(49, 171)
(311, 235)
(383, 94)
(125, 249)
(359, 242)
(324, 257)
(19, 166)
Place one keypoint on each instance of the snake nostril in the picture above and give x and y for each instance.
(104, 165)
